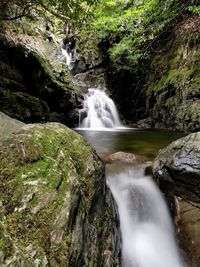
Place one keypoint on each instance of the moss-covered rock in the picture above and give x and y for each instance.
(165, 85)
(173, 79)
(53, 200)
(33, 75)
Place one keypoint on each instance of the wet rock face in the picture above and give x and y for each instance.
(177, 170)
(125, 86)
(54, 205)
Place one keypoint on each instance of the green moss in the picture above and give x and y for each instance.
(23, 106)
(6, 245)
(47, 162)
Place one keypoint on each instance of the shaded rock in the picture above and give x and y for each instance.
(145, 123)
(177, 167)
(8, 125)
(35, 85)
(177, 170)
(90, 79)
(188, 222)
(54, 205)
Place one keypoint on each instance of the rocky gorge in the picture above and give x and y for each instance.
(55, 207)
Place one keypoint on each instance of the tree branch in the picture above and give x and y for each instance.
(23, 14)
(60, 16)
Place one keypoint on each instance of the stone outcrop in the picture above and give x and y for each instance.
(177, 170)
(35, 85)
(55, 209)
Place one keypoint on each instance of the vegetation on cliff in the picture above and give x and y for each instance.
(133, 26)
(125, 37)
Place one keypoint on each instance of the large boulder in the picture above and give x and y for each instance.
(54, 206)
(177, 170)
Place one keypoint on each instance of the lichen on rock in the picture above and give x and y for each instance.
(52, 200)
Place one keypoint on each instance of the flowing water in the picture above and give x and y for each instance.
(147, 232)
(148, 238)
(69, 55)
(99, 110)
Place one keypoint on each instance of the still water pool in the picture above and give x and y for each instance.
(133, 140)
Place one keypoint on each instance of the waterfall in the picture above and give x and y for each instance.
(68, 56)
(147, 231)
(68, 51)
(98, 112)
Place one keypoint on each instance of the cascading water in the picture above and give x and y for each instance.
(68, 56)
(68, 51)
(147, 232)
(99, 111)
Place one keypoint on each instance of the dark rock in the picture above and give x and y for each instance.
(173, 78)
(145, 123)
(178, 165)
(177, 170)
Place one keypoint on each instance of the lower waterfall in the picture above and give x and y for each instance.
(98, 112)
(147, 231)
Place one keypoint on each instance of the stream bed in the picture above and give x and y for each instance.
(148, 238)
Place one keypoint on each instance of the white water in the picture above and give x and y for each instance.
(100, 111)
(67, 55)
(147, 232)
(69, 58)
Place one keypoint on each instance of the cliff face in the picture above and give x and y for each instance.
(173, 84)
(165, 87)
(35, 85)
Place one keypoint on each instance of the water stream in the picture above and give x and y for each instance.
(147, 231)
(148, 238)
(98, 112)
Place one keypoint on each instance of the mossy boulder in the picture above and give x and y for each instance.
(177, 170)
(53, 200)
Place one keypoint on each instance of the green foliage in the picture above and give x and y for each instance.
(132, 25)
(194, 9)
(74, 11)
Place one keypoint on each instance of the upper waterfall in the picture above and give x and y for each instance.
(68, 50)
(99, 111)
